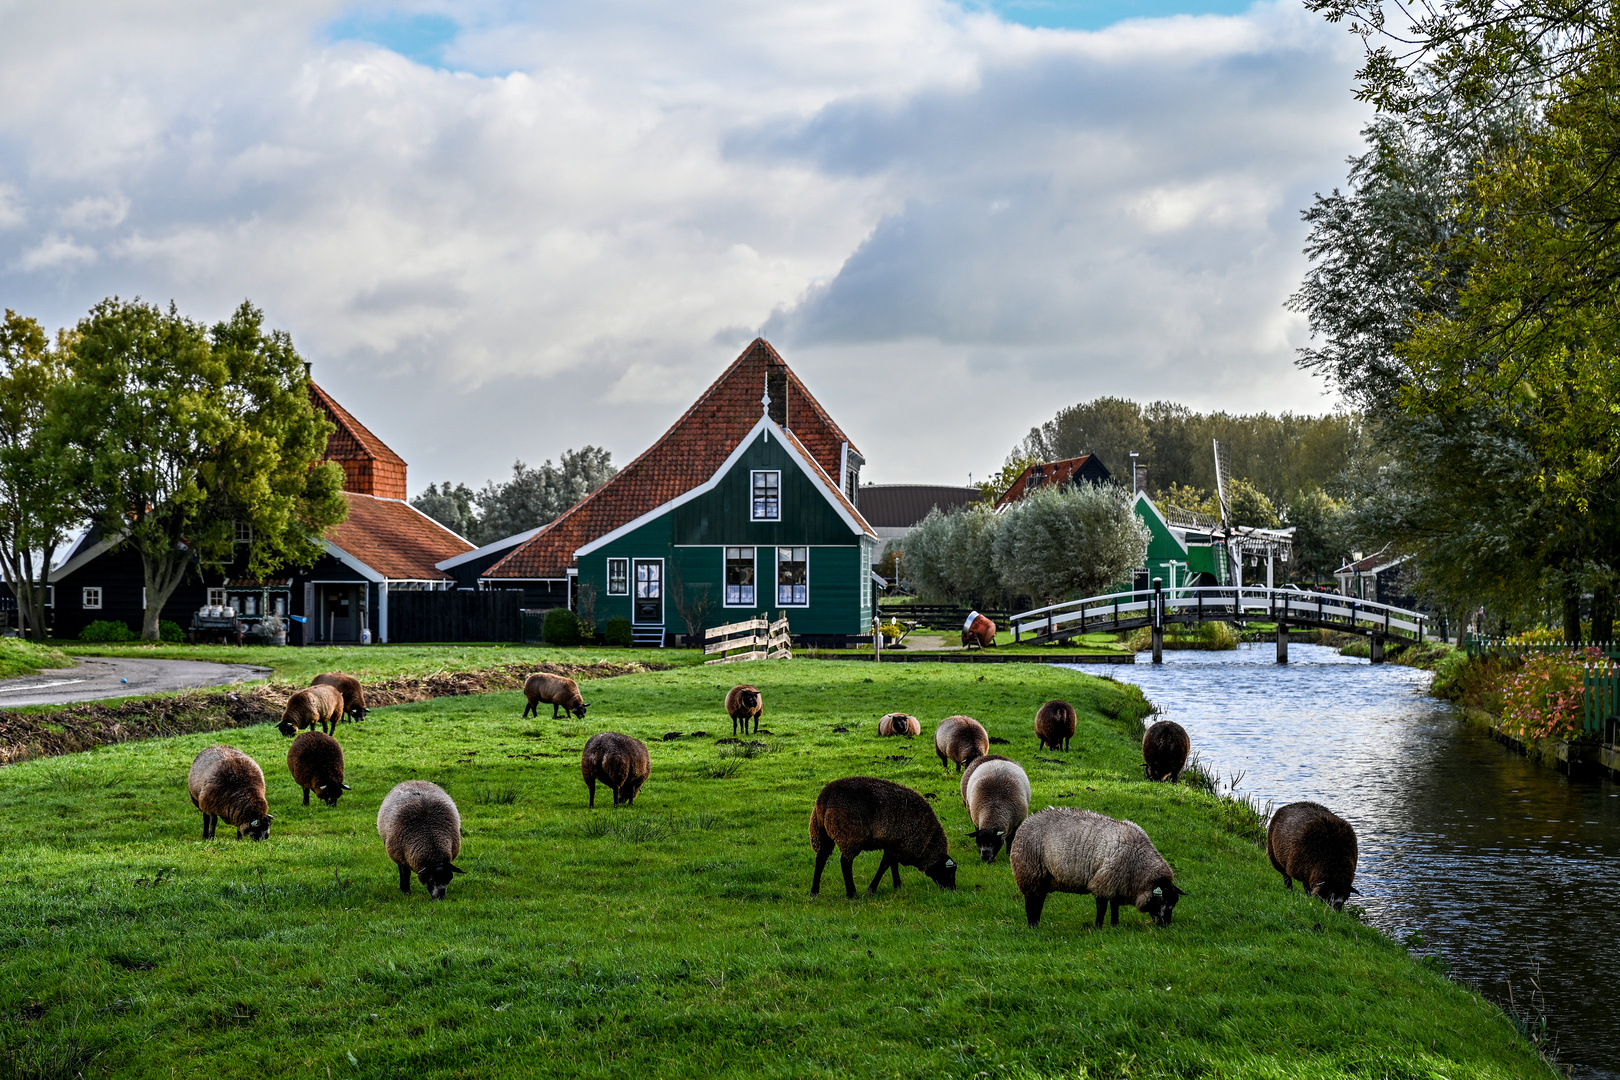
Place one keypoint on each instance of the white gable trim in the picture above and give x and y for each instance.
(1179, 538)
(490, 549)
(352, 563)
(95, 551)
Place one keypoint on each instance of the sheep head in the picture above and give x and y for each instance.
(360, 714)
(943, 873)
(1333, 893)
(749, 699)
(436, 878)
(287, 728)
(257, 829)
(1161, 902)
(990, 841)
(579, 711)
(330, 793)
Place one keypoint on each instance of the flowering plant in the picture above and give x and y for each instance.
(1545, 698)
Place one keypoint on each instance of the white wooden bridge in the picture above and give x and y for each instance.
(1160, 607)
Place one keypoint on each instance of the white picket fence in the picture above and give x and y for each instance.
(761, 638)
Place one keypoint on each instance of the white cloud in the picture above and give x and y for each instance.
(12, 213)
(96, 212)
(56, 253)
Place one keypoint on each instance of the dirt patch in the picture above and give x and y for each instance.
(76, 728)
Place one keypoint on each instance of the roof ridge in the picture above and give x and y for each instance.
(367, 440)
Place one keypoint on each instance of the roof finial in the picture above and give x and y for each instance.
(765, 402)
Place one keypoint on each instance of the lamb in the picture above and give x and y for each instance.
(354, 699)
(1306, 840)
(863, 813)
(313, 705)
(553, 690)
(619, 761)
(316, 763)
(421, 831)
(996, 791)
(1164, 751)
(1054, 725)
(742, 704)
(960, 739)
(1077, 851)
(899, 723)
(226, 783)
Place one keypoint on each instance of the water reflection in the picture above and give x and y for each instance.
(1509, 870)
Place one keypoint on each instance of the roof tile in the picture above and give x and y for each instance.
(395, 539)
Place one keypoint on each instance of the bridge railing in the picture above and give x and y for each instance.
(1141, 607)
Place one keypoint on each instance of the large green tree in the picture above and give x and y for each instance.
(1068, 541)
(196, 444)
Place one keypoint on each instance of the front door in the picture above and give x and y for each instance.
(650, 591)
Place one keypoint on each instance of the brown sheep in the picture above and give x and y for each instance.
(899, 723)
(744, 703)
(312, 706)
(354, 698)
(1164, 751)
(316, 763)
(617, 760)
(863, 813)
(1306, 840)
(556, 691)
(996, 792)
(226, 783)
(960, 739)
(421, 831)
(1077, 851)
(1054, 725)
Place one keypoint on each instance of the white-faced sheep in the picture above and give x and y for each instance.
(1077, 851)
(1164, 751)
(1306, 840)
(316, 763)
(996, 791)
(617, 760)
(556, 691)
(744, 703)
(314, 706)
(960, 739)
(226, 783)
(863, 813)
(1054, 725)
(354, 698)
(421, 831)
(899, 723)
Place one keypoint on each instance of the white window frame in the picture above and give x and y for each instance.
(753, 590)
(216, 597)
(244, 532)
(754, 500)
(84, 597)
(777, 577)
(624, 565)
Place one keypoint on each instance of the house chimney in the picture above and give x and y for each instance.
(307, 366)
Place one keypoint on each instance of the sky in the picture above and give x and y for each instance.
(502, 229)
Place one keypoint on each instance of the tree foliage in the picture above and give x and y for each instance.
(531, 498)
(451, 506)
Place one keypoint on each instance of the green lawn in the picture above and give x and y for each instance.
(19, 657)
(677, 938)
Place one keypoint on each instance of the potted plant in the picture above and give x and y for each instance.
(274, 629)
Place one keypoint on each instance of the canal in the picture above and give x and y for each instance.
(1507, 870)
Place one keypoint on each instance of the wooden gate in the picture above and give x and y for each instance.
(761, 638)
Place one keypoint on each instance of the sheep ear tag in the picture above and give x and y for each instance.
(254, 824)
(1001, 832)
(322, 787)
(950, 864)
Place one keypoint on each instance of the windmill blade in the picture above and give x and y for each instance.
(1220, 485)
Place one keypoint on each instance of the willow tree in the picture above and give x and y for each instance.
(1074, 540)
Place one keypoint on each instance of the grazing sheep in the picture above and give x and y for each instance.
(553, 690)
(863, 813)
(316, 763)
(1164, 751)
(960, 739)
(996, 791)
(322, 705)
(742, 704)
(1306, 840)
(618, 761)
(226, 783)
(354, 699)
(899, 723)
(1054, 725)
(421, 831)
(1077, 851)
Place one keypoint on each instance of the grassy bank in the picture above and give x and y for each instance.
(19, 657)
(678, 938)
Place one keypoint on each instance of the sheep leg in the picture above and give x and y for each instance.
(848, 863)
(554, 714)
(1032, 907)
(942, 762)
(205, 826)
(733, 727)
(1288, 883)
(306, 796)
(756, 724)
(824, 848)
(530, 709)
(404, 879)
(591, 783)
(894, 868)
(1113, 913)
(883, 868)
(1102, 910)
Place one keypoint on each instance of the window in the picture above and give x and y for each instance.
(740, 576)
(91, 598)
(793, 576)
(216, 597)
(244, 532)
(767, 496)
(618, 577)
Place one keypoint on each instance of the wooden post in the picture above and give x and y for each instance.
(1282, 642)
(877, 642)
(1377, 649)
(1158, 620)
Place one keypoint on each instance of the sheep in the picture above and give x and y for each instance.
(1164, 751)
(1306, 840)
(313, 705)
(1077, 851)
(996, 792)
(226, 783)
(354, 698)
(744, 703)
(421, 831)
(619, 761)
(960, 739)
(899, 723)
(316, 763)
(553, 690)
(1054, 725)
(863, 813)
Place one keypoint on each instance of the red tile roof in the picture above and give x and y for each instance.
(1088, 466)
(395, 539)
(369, 466)
(687, 455)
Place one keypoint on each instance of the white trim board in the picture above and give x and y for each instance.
(489, 549)
(351, 562)
(95, 551)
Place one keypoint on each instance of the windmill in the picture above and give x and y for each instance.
(1236, 557)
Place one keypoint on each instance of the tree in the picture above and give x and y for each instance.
(193, 444)
(1108, 427)
(1074, 540)
(39, 501)
(991, 490)
(537, 496)
(1249, 506)
(948, 556)
(1320, 545)
(450, 506)
(1189, 501)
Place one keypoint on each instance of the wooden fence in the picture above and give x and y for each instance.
(454, 616)
(936, 616)
(1601, 686)
(762, 638)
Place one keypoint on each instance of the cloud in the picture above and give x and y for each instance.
(56, 253)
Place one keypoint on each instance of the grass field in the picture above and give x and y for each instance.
(19, 657)
(677, 938)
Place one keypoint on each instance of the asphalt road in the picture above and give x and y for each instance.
(98, 677)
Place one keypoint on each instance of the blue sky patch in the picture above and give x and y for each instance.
(415, 36)
(1096, 14)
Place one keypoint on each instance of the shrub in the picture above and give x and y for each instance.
(616, 631)
(169, 630)
(107, 630)
(1545, 699)
(560, 628)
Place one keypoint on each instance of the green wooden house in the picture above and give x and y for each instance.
(1180, 554)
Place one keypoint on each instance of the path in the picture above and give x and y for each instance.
(98, 677)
